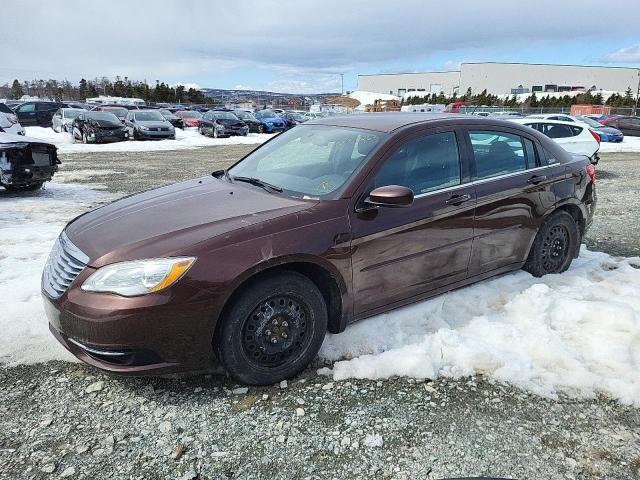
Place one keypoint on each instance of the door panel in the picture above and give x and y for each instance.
(513, 192)
(399, 253)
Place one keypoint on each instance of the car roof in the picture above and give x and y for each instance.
(553, 122)
(391, 121)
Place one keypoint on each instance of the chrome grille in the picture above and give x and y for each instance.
(64, 264)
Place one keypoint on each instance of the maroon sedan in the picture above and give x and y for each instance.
(333, 221)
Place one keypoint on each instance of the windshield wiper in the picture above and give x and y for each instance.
(258, 182)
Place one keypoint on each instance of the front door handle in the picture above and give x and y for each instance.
(537, 179)
(458, 199)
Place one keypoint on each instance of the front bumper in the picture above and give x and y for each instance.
(136, 335)
(106, 136)
(155, 135)
(270, 128)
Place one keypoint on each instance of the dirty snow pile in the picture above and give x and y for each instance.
(367, 98)
(29, 224)
(578, 333)
(187, 138)
(628, 144)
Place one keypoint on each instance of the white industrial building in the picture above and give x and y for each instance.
(504, 78)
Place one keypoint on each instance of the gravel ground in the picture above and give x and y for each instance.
(66, 420)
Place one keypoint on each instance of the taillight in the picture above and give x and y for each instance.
(12, 118)
(591, 171)
(595, 135)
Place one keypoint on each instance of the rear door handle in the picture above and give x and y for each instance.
(537, 179)
(458, 199)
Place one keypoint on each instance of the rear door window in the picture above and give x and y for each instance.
(424, 164)
(554, 130)
(497, 153)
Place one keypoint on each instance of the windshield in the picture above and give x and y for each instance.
(118, 112)
(298, 116)
(244, 115)
(225, 115)
(148, 116)
(590, 121)
(310, 160)
(71, 113)
(191, 114)
(102, 116)
(167, 114)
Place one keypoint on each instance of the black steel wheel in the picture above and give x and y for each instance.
(272, 330)
(555, 245)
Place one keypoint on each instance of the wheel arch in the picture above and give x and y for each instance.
(323, 274)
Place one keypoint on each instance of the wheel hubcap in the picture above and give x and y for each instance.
(276, 331)
(555, 248)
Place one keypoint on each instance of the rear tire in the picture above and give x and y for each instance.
(272, 330)
(554, 246)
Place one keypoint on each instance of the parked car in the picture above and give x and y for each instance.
(172, 118)
(37, 113)
(271, 122)
(332, 221)
(627, 125)
(573, 137)
(11, 115)
(255, 125)
(98, 127)
(63, 119)
(9, 124)
(217, 123)
(606, 133)
(293, 118)
(26, 163)
(190, 118)
(117, 110)
(149, 125)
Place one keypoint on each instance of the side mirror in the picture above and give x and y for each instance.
(393, 196)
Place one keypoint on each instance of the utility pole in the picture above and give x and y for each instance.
(635, 108)
(342, 83)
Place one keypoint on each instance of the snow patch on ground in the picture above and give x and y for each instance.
(187, 138)
(577, 333)
(628, 144)
(29, 224)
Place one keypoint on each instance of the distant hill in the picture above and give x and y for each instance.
(261, 96)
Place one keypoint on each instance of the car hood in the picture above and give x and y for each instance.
(608, 130)
(103, 123)
(169, 220)
(272, 119)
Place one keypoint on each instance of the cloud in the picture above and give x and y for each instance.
(625, 55)
(308, 42)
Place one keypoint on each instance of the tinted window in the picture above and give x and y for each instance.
(558, 131)
(424, 164)
(45, 107)
(531, 153)
(497, 153)
(27, 107)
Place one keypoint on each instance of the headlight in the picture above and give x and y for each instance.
(142, 127)
(138, 277)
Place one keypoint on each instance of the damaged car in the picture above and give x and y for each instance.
(26, 163)
(218, 123)
(98, 127)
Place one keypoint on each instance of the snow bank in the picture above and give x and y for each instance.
(578, 333)
(29, 224)
(367, 98)
(188, 138)
(628, 144)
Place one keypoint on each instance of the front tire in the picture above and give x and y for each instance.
(554, 246)
(272, 330)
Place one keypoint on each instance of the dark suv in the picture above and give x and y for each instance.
(37, 113)
(332, 221)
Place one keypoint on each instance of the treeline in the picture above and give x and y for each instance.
(484, 98)
(120, 87)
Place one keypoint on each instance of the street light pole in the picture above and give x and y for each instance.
(342, 83)
(635, 108)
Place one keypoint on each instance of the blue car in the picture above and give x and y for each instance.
(271, 122)
(607, 134)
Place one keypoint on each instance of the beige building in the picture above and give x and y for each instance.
(505, 78)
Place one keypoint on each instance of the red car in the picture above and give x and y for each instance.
(189, 118)
(454, 107)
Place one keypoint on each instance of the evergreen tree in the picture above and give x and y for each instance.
(16, 90)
